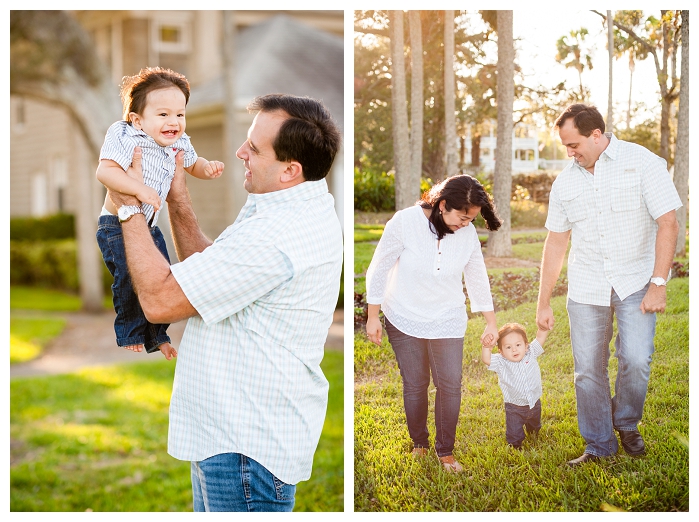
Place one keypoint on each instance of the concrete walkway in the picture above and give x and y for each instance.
(88, 340)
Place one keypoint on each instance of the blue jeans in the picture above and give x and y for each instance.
(519, 417)
(591, 332)
(416, 358)
(234, 482)
(130, 325)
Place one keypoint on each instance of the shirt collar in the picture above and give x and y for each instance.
(613, 148)
(301, 192)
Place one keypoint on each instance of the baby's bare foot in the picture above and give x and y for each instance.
(135, 347)
(168, 350)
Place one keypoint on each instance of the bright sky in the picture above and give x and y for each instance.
(539, 30)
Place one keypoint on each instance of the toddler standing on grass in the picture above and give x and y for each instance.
(154, 102)
(519, 377)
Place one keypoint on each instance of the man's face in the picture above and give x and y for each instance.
(163, 116)
(263, 170)
(585, 150)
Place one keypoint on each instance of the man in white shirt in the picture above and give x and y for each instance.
(619, 201)
(249, 397)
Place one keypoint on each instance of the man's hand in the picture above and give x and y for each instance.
(655, 299)
(544, 318)
(135, 172)
(178, 187)
(213, 169)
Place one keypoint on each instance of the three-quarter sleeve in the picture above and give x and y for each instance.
(476, 279)
(385, 256)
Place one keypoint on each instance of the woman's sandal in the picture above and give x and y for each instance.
(450, 464)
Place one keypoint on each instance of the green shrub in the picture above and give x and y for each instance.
(527, 214)
(374, 192)
(50, 264)
(57, 226)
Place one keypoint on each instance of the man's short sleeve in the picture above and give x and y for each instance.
(556, 219)
(230, 275)
(659, 192)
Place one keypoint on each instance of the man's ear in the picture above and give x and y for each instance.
(292, 173)
(135, 120)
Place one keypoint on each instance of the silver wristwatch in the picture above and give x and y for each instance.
(659, 281)
(126, 211)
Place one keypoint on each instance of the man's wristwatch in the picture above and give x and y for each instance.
(126, 211)
(658, 281)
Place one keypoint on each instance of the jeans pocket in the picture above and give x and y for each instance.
(284, 491)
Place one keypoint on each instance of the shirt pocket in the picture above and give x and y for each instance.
(573, 202)
(626, 191)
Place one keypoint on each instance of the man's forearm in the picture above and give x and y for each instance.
(551, 265)
(665, 242)
(186, 234)
(159, 294)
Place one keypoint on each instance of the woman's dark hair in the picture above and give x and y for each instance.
(135, 89)
(309, 135)
(461, 193)
(508, 328)
(586, 118)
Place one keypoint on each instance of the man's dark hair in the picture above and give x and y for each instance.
(586, 118)
(309, 135)
(460, 192)
(135, 89)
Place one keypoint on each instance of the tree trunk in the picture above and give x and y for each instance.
(417, 104)
(452, 163)
(681, 176)
(401, 144)
(476, 150)
(610, 46)
(499, 243)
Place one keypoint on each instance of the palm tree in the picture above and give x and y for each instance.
(416, 98)
(405, 195)
(575, 52)
(610, 50)
(500, 243)
(452, 162)
(681, 175)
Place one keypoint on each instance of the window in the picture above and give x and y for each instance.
(170, 36)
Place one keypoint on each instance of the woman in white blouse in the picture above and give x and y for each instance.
(415, 278)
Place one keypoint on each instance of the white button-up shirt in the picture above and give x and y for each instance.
(158, 163)
(248, 377)
(520, 381)
(612, 216)
(417, 279)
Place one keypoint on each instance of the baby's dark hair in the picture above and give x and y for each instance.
(135, 89)
(508, 329)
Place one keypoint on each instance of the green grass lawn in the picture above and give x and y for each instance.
(496, 478)
(96, 440)
(29, 335)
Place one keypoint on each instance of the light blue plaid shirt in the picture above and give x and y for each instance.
(248, 377)
(158, 163)
(612, 216)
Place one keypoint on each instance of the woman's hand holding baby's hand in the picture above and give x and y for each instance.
(487, 340)
(213, 169)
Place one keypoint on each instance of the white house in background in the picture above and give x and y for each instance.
(525, 149)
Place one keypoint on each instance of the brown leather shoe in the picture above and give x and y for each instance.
(582, 459)
(420, 452)
(632, 442)
(450, 464)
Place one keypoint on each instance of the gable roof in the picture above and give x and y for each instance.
(282, 55)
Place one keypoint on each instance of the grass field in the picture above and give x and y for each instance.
(96, 440)
(496, 478)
